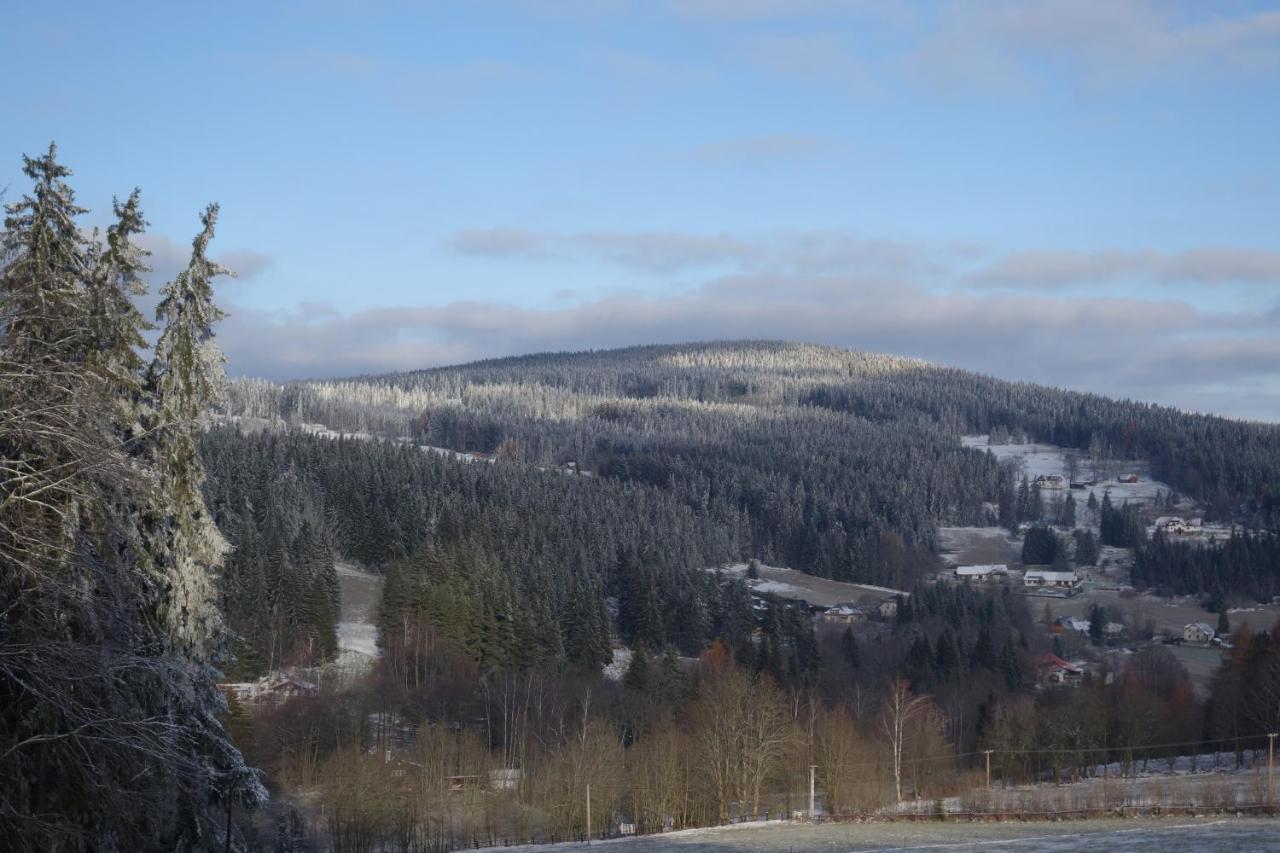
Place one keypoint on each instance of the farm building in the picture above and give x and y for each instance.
(1050, 481)
(843, 614)
(1071, 623)
(1053, 671)
(982, 574)
(889, 609)
(1128, 478)
(1198, 632)
(1175, 526)
(1066, 583)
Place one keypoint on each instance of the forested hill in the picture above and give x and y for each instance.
(779, 425)
(617, 478)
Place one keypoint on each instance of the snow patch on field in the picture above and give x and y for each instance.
(616, 668)
(791, 583)
(361, 594)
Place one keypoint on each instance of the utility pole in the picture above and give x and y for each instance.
(987, 753)
(588, 812)
(1271, 768)
(813, 768)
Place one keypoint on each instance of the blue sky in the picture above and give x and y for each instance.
(1079, 192)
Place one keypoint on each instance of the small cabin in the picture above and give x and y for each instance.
(1050, 481)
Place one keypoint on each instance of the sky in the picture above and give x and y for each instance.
(1081, 193)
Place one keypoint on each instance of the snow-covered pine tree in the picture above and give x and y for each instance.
(185, 379)
(116, 325)
(42, 303)
(108, 739)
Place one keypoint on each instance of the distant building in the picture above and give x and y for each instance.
(843, 614)
(1071, 623)
(1050, 481)
(1198, 632)
(1053, 671)
(1175, 526)
(1066, 583)
(889, 609)
(982, 574)
(1128, 478)
(270, 690)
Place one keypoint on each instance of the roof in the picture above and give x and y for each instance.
(1048, 659)
(1050, 576)
(1203, 627)
(1075, 624)
(973, 571)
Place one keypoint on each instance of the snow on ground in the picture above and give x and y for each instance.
(823, 592)
(360, 594)
(324, 432)
(1154, 835)
(1047, 459)
(978, 546)
(616, 668)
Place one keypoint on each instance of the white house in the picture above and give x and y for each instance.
(1198, 632)
(1175, 526)
(1071, 623)
(889, 609)
(1067, 583)
(982, 574)
(844, 614)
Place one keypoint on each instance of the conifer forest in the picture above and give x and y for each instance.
(625, 591)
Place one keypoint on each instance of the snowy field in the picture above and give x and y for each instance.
(790, 583)
(361, 593)
(1170, 835)
(1036, 459)
(978, 546)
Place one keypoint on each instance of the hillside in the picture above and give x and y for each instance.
(622, 475)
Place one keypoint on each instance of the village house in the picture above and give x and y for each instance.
(1060, 583)
(889, 609)
(1175, 526)
(1198, 632)
(1128, 478)
(1053, 671)
(1050, 481)
(1071, 623)
(982, 574)
(843, 614)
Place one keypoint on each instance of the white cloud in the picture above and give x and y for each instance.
(1142, 348)
(1204, 265)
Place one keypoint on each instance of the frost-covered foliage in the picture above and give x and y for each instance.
(515, 564)
(185, 379)
(109, 736)
(824, 452)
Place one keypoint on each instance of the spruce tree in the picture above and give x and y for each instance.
(42, 304)
(185, 379)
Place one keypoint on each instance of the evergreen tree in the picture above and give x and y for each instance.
(1097, 624)
(185, 379)
(42, 305)
(1068, 517)
(117, 326)
(108, 731)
